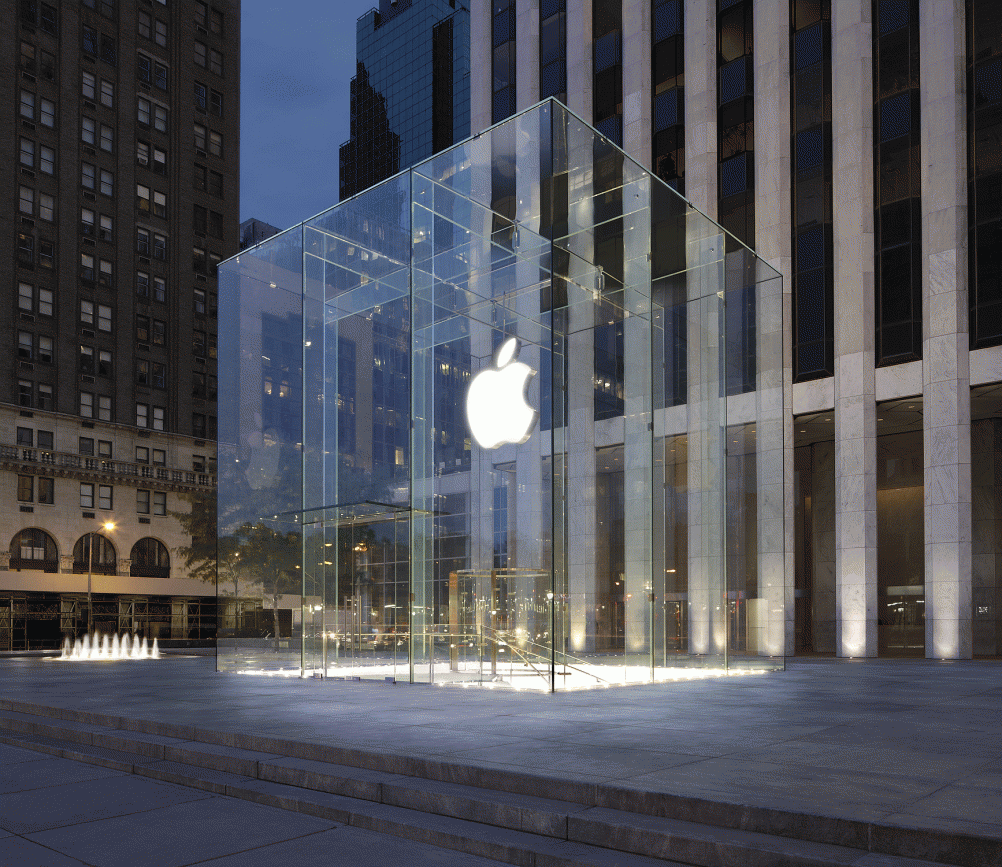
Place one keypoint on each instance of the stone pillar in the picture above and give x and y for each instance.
(986, 533)
(579, 434)
(946, 379)
(637, 80)
(706, 432)
(526, 53)
(774, 415)
(481, 70)
(638, 446)
(580, 85)
(855, 395)
(701, 104)
(823, 548)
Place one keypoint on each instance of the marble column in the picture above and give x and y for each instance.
(705, 259)
(637, 77)
(855, 394)
(580, 84)
(481, 72)
(701, 105)
(946, 385)
(526, 53)
(774, 407)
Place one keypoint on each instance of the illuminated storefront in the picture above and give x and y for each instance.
(512, 417)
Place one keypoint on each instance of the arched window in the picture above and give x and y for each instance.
(105, 560)
(34, 549)
(150, 559)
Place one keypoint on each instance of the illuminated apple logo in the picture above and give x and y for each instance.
(496, 409)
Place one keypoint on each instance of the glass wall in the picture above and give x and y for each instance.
(417, 483)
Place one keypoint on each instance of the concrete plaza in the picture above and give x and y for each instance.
(909, 746)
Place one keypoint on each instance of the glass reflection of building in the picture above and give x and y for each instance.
(635, 535)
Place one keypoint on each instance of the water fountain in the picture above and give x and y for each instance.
(104, 647)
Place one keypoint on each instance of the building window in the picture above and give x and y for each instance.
(34, 549)
(105, 497)
(159, 458)
(142, 415)
(201, 98)
(159, 247)
(87, 267)
(105, 276)
(107, 183)
(215, 183)
(200, 137)
(142, 502)
(107, 138)
(27, 104)
(27, 156)
(159, 204)
(25, 250)
(897, 182)
(46, 491)
(143, 198)
(104, 363)
(159, 502)
(158, 418)
(143, 329)
(159, 332)
(199, 302)
(735, 120)
(90, 44)
(107, 94)
(24, 345)
(160, 290)
(106, 231)
(46, 253)
(142, 284)
(215, 62)
(87, 221)
(26, 489)
(216, 104)
(984, 171)
(47, 160)
(201, 54)
(199, 222)
(27, 201)
(25, 393)
(45, 302)
(198, 425)
(144, 111)
(668, 110)
(503, 60)
(46, 207)
(607, 68)
(47, 113)
(44, 349)
(86, 404)
(86, 359)
(87, 130)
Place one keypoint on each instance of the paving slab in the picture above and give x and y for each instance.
(182, 833)
(72, 804)
(351, 847)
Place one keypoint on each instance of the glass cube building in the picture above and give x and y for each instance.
(512, 417)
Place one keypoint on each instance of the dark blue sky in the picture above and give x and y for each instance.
(297, 61)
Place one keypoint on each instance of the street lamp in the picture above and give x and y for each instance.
(108, 526)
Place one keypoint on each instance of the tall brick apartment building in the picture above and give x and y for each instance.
(119, 141)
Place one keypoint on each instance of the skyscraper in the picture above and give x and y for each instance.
(122, 134)
(854, 145)
(411, 95)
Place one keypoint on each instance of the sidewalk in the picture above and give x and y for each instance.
(60, 813)
(908, 743)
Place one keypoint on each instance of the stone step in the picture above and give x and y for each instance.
(512, 828)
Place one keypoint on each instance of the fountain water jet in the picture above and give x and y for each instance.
(103, 647)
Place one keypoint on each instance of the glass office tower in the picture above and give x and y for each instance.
(430, 473)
